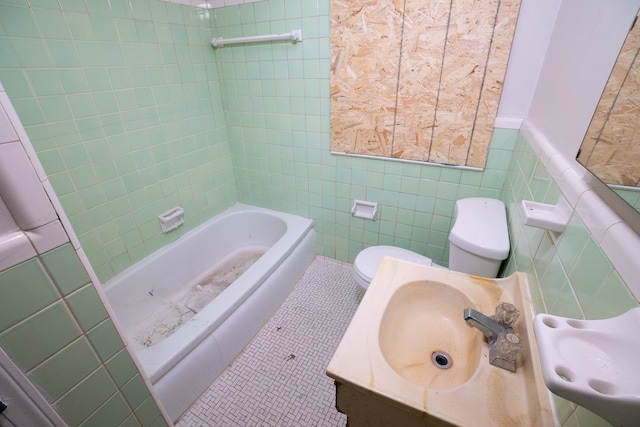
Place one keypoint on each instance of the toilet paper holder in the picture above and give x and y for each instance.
(364, 209)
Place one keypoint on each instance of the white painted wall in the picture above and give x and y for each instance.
(586, 39)
(530, 42)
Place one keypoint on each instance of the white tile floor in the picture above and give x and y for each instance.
(279, 379)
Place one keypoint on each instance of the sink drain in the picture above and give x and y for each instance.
(441, 359)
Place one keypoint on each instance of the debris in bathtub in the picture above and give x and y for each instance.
(220, 279)
(150, 292)
(291, 357)
(160, 325)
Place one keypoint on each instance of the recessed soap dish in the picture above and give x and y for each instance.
(171, 219)
(549, 217)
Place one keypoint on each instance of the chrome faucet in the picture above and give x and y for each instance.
(504, 345)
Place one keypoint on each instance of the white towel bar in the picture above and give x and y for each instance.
(295, 36)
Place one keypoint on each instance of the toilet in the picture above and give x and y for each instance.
(479, 242)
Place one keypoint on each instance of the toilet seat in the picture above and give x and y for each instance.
(366, 263)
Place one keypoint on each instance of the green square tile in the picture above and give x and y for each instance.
(148, 412)
(126, 30)
(131, 421)
(612, 299)
(504, 139)
(65, 268)
(63, 53)
(106, 102)
(74, 156)
(25, 289)
(573, 241)
(88, 55)
(104, 28)
(98, 8)
(121, 367)
(45, 4)
(14, 82)
(45, 82)
(121, 8)
(65, 369)
(30, 52)
(8, 57)
(106, 340)
(40, 336)
(73, 6)
(73, 80)
(80, 26)
(83, 177)
(112, 54)
(18, 21)
(51, 23)
(135, 391)
(82, 105)
(86, 397)
(589, 272)
(86, 306)
(55, 108)
(112, 413)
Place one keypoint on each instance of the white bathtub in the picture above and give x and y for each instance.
(185, 363)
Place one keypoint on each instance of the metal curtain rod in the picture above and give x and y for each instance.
(295, 36)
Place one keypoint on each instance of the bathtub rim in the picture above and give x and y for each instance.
(163, 356)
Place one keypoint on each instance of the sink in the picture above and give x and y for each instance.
(424, 337)
(593, 363)
(391, 365)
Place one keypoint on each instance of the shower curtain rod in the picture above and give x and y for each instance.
(295, 36)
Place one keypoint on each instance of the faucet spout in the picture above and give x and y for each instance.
(489, 327)
(504, 345)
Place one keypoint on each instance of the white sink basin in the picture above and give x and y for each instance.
(593, 363)
(410, 318)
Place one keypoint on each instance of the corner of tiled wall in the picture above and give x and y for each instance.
(568, 274)
(122, 104)
(54, 326)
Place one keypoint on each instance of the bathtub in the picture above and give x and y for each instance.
(182, 364)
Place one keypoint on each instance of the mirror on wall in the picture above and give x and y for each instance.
(611, 146)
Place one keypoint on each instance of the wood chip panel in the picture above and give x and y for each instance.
(611, 147)
(418, 80)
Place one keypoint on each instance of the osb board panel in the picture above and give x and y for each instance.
(424, 38)
(611, 147)
(466, 53)
(442, 92)
(365, 52)
(503, 31)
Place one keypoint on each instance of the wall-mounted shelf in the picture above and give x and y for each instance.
(549, 217)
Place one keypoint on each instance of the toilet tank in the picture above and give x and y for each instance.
(479, 239)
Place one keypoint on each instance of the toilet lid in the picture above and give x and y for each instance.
(367, 262)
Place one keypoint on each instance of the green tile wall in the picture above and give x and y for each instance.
(571, 277)
(55, 328)
(122, 103)
(277, 105)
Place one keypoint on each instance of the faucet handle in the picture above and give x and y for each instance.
(508, 346)
(506, 314)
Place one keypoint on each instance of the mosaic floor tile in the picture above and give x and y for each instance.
(279, 379)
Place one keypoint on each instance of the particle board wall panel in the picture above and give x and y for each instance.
(504, 29)
(466, 52)
(365, 50)
(424, 36)
(611, 147)
(427, 109)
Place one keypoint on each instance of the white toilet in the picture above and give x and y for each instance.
(479, 242)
